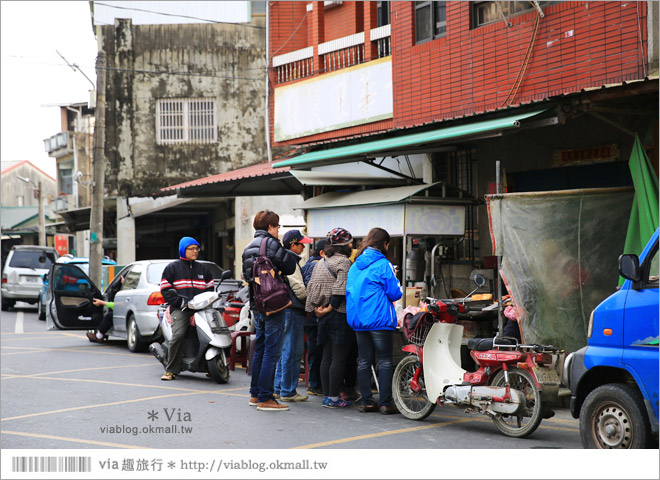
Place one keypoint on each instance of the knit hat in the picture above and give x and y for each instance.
(339, 236)
(184, 243)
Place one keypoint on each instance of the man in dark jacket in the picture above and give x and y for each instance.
(269, 333)
(188, 278)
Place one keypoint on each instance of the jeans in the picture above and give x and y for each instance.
(267, 351)
(288, 368)
(380, 343)
(314, 355)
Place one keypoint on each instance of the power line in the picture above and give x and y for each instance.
(177, 15)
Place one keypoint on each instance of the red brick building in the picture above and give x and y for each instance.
(437, 92)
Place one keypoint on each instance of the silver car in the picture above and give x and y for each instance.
(21, 276)
(135, 313)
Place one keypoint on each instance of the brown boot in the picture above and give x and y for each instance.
(388, 409)
(372, 407)
(272, 406)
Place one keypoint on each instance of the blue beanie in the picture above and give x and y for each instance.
(184, 243)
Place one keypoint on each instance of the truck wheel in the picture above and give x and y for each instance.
(613, 416)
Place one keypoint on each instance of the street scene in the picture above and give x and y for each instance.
(273, 239)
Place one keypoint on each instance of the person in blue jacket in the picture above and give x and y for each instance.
(370, 290)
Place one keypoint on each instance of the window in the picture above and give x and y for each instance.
(133, 277)
(489, 12)
(383, 13)
(65, 177)
(430, 20)
(191, 120)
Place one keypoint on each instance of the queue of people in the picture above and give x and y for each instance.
(345, 308)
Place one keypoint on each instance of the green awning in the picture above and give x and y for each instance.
(392, 144)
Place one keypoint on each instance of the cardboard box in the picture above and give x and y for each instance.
(412, 296)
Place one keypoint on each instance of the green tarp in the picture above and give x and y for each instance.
(644, 213)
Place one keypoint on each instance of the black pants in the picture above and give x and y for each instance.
(314, 356)
(333, 367)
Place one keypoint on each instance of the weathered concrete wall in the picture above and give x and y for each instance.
(150, 62)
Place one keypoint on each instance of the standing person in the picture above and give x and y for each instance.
(189, 278)
(268, 329)
(288, 368)
(371, 288)
(326, 297)
(314, 351)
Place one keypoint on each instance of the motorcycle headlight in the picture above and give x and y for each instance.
(202, 300)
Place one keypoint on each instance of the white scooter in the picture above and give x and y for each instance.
(205, 347)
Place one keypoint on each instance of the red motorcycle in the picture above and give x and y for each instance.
(512, 385)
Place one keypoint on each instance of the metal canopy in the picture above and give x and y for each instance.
(391, 145)
(379, 196)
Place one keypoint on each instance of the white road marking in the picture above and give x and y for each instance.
(18, 328)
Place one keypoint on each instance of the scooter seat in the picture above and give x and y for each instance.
(483, 344)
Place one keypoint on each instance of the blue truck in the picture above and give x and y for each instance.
(614, 379)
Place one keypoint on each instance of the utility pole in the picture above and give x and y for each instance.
(96, 215)
(42, 220)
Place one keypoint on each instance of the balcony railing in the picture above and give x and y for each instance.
(336, 54)
(294, 65)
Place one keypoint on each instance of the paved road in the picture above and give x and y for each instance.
(59, 391)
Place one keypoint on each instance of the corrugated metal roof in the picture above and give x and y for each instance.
(258, 170)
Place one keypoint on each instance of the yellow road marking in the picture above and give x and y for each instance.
(382, 434)
(66, 439)
(81, 370)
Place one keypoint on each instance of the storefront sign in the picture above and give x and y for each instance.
(585, 156)
(62, 244)
(352, 96)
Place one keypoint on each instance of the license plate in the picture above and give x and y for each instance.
(31, 279)
(546, 375)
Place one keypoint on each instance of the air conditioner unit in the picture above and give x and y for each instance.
(330, 4)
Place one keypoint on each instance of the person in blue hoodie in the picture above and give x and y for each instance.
(370, 290)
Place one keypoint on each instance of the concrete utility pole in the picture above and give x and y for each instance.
(42, 217)
(96, 216)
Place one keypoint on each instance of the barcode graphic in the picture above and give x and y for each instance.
(51, 464)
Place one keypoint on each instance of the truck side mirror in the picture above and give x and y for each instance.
(629, 267)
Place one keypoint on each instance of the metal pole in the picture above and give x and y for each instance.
(42, 217)
(96, 215)
(500, 320)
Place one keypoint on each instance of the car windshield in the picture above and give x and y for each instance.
(32, 259)
(155, 271)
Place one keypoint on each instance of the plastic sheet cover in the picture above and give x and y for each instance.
(559, 257)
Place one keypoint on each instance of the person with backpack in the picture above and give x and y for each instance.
(326, 297)
(265, 260)
(288, 368)
(371, 288)
(314, 351)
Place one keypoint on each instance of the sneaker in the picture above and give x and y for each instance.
(389, 409)
(315, 391)
(272, 406)
(327, 403)
(372, 407)
(296, 398)
(253, 401)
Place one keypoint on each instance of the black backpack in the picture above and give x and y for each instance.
(271, 293)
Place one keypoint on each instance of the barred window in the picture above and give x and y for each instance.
(186, 120)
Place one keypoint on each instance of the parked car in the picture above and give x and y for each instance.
(21, 275)
(135, 314)
(82, 262)
(614, 379)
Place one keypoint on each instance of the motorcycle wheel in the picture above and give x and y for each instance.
(412, 405)
(520, 425)
(219, 369)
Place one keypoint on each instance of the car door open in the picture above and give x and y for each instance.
(72, 292)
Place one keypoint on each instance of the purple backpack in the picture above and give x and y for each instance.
(270, 293)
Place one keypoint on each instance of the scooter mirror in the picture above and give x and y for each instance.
(479, 280)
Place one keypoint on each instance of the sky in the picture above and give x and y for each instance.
(33, 75)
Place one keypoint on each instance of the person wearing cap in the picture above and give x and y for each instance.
(314, 351)
(326, 297)
(188, 277)
(288, 367)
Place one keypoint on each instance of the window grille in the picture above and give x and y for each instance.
(190, 120)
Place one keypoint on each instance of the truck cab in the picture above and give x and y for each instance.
(614, 379)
